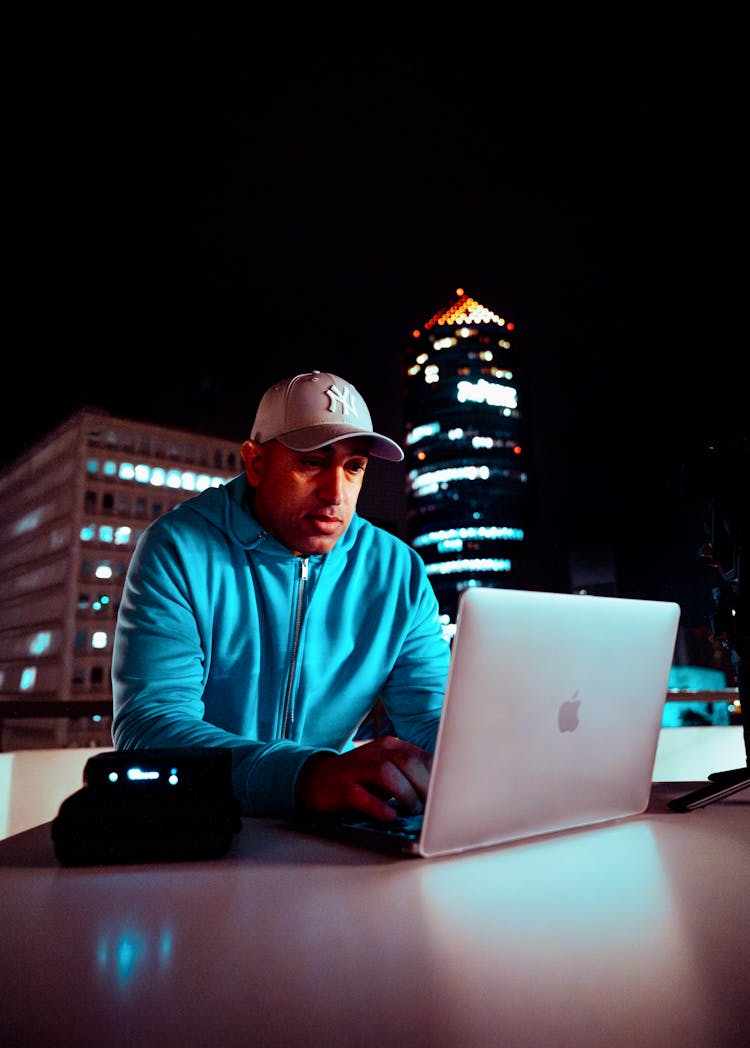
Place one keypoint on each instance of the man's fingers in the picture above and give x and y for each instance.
(367, 778)
(359, 798)
(404, 785)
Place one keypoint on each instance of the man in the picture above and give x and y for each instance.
(268, 617)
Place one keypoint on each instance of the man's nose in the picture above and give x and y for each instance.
(332, 485)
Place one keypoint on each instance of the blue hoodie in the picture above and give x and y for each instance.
(226, 638)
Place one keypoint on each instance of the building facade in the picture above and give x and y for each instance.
(73, 507)
(468, 457)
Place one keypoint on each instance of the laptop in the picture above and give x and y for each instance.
(550, 721)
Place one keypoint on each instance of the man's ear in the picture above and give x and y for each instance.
(252, 457)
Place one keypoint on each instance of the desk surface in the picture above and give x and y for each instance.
(631, 933)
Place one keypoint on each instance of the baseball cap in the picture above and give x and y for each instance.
(317, 408)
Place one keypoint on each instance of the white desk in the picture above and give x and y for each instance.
(633, 933)
(34, 783)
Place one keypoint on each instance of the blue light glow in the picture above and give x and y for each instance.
(40, 642)
(139, 775)
(27, 523)
(128, 952)
(477, 564)
(491, 532)
(448, 475)
(421, 432)
(28, 678)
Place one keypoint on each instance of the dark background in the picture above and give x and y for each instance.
(206, 201)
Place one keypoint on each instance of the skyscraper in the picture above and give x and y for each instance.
(468, 461)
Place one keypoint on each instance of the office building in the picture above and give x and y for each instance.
(74, 506)
(468, 457)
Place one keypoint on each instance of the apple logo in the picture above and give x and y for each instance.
(567, 715)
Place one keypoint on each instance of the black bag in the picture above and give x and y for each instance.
(149, 806)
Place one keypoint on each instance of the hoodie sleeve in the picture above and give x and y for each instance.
(159, 674)
(413, 694)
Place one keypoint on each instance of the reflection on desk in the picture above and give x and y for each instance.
(628, 933)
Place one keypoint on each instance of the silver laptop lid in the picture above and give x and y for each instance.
(552, 714)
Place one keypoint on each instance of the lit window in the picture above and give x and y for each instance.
(127, 470)
(188, 480)
(432, 373)
(92, 465)
(40, 642)
(87, 532)
(122, 536)
(99, 639)
(110, 468)
(105, 533)
(450, 546)
(483, 392)
(471, 533)
(174, 478)
(58, 537)
(104, 570)
(476, 564)
(28, 678)
(158, 477)
(27, 523)
(448, 475)
(142, 473)
(420, 432)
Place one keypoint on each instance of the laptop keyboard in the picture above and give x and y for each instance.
(405, 827)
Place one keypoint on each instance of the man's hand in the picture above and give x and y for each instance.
(361, 779)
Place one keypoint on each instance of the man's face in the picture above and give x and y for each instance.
(306, 499)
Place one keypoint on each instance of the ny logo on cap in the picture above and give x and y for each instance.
(344, 398)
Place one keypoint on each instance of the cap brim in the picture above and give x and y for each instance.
(315, 437)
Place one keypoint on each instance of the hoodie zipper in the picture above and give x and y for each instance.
(287, 724)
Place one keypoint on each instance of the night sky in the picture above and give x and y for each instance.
(205, 202)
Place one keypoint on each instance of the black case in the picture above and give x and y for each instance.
(149, 806)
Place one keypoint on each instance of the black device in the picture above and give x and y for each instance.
(149, 806)
(721, 784)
